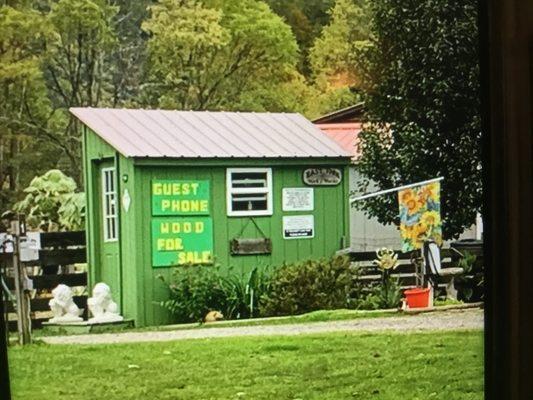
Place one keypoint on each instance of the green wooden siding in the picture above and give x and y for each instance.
(329, 214)
(140, 289)
(96, 153)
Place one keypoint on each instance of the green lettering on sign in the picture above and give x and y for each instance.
(180, 197)
(182, 240)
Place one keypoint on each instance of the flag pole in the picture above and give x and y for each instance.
(379, 193)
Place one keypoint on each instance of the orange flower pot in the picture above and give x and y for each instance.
(417, 298)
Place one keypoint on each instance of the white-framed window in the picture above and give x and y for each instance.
(109, 205)
(249, 191)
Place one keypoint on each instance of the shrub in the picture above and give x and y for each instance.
(196, 290)
(243, 293)
(386, 294)
(469, 285)
(52, 201)
(309, 285)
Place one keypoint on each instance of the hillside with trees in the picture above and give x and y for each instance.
(414, 64)
(249, 55)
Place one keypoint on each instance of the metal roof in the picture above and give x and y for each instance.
(206, 134)
(345, 134)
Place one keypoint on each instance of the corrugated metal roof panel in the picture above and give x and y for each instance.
(206, 134)
(345, 134)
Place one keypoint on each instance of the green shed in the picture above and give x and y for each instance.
(167, 188)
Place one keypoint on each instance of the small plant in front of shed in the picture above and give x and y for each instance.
(243, 292)
(198, 290)
(195, 291)
(309, 285)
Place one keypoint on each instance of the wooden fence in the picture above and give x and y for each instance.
(59, 251)
(405, 271)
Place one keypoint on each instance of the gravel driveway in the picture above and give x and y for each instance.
(434, 321)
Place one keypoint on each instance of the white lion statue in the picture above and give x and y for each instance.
(102, 306)
(63, 306)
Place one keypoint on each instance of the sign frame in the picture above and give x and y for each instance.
(301, 219)
(319, 180)
(194, 245)
(289, 193)
(201, 195)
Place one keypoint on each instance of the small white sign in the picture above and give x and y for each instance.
(34, 240)
(6, 243)
(298, 226)
(298, 199)
(27, 251)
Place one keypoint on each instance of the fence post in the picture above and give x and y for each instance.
(18, 229)
(4, 372)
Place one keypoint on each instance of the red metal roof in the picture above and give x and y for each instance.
(345, 134)
(176, 134)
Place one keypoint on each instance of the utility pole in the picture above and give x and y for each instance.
(18, 229)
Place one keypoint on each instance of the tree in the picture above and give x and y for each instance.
(335, 74)
(423, 107)
(24, 106)
(129, 55)
(209, 55)
(306, 19)
(334, 52)
(77, 67)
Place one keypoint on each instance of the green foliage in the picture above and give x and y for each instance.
(290, 289)
(306, 19)
(334, 283)
(423, 108)
(72, 212)
(333, 366)
(53, 55)
(334, 53)
(309, 285)
(384, 295)
(208, 55)
(51, 201)
(194, 291)
(469, 285)
(24, 107)
(245, 55)
(244, 292)
(77, 68)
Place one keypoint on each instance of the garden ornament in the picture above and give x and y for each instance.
(386, 259)
(213, 316)
(102, 306)
(63, 306)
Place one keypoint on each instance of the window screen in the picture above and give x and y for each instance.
(249, 191)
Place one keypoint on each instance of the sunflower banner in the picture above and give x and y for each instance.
(420, 216)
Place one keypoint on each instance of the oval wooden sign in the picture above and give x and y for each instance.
(322, 176)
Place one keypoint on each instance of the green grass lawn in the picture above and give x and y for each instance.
(329, 366)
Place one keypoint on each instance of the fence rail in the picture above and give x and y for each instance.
(405, 272)
(59, 250)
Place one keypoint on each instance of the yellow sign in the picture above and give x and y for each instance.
(179, 197)
(182, 240)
